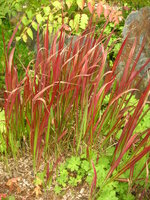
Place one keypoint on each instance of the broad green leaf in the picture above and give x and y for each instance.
(30, 33)
(84, 21)
(39, 18)
(71, 24)
(18, 38)
(29, 14)
(59, 20)
(0, 22)
(76, 21)
(50, 29)
(24, 37)
(34, 25)
(46, 10)
(55, 24)
(57, 5)
(66, 20)
(51, 17)
(80, 3)
(18, 7)
(25, 20)
(69, 3)
(14, 13)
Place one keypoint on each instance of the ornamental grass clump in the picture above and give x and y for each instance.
(59, 104)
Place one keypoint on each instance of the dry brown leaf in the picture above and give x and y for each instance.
(37, 191)
(18, 190)
(11, 183)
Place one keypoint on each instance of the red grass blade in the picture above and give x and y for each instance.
(46, 41)
(93, 185)
(133, 161)
(126, 69)
(116, 163)
(62, 135)
(13, 35)
(119, 55)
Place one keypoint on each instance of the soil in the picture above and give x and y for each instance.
(18, 180)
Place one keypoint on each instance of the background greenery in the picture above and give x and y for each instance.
(35, 11)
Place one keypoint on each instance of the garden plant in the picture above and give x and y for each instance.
(70, 105)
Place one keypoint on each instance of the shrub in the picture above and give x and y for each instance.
(75, 14)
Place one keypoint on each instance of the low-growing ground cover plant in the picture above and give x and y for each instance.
(77, 169)
(60, 105)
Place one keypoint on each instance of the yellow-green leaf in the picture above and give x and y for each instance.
(29, 14)
(18, 7)
(69, 3)
(30, 33)
(34, 25)
(66, 20)
(24, 37)
(76, 21)
(71, 24)
(25, 20)
(84, 21)
(59, 20)
(39, 18)
(51, 17)
(80, 3)
(18, 38)
(46, 10)
(57, 5)
(50, 29)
